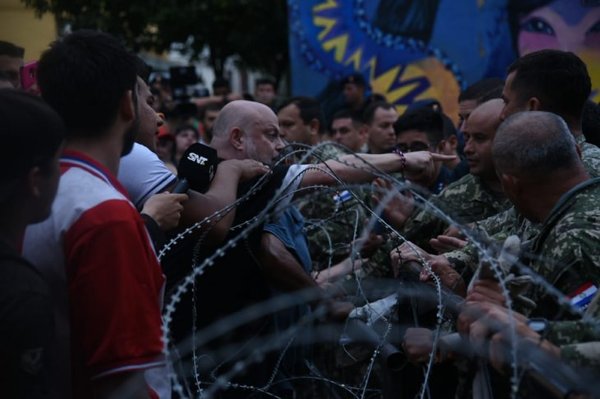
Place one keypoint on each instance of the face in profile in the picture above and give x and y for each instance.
(148, 120)
(46, 187)
(566, 25)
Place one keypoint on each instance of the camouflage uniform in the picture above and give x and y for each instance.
(464, 201)
(590, 156)
(509, 222)
(490, 231)
(333, 215)
(579, 340)
(566, 252)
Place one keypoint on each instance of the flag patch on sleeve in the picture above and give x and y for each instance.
(342, 197)
(582, 296)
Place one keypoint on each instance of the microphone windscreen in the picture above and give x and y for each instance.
(198, 165)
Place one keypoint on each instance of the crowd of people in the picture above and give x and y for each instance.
(306, 252)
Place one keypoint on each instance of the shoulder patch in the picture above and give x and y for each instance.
(582, 296)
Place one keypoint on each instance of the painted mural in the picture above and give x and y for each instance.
(417, 50)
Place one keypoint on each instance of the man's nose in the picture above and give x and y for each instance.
(468, 147)
(280, 143)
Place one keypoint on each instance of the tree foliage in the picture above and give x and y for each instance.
(255, 30)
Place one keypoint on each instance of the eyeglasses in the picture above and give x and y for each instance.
(413, 147)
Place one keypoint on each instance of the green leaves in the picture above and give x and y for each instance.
(255, 30)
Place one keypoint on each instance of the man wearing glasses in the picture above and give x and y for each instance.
(423, 130)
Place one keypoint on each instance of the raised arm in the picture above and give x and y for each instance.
(222, 192)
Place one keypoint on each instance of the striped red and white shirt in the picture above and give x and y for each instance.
(108, 286)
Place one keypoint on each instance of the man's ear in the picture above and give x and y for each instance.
(534, 104)
(511, 185)
(236, 138)
(127, 107)
(34, 180)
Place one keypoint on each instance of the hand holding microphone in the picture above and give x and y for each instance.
(165, 209)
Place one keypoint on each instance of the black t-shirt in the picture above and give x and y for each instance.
(235, 280)
(26, 327)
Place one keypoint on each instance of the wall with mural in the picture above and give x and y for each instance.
(414, 50)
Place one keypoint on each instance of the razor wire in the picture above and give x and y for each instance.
(485, 252)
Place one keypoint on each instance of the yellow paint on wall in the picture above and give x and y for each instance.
(22, 27)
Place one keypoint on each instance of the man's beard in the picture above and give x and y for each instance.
(131, 133)
(129, 137)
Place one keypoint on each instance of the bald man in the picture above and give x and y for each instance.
(246, 129)
(526, 89)
(475, 196)
(543, 175)
(247, 273)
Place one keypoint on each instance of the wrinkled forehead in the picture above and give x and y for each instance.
(268, 116)
(266, 121)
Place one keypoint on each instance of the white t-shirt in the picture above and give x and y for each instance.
(143, 174)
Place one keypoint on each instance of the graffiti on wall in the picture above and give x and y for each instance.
(416, 50)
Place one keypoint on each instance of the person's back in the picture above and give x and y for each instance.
(32, 135)
(546, 181)
(566, 250)
(94, 249)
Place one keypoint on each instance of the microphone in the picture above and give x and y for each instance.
(196, 168)
(181, 187)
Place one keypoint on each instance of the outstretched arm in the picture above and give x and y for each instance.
(360, 168)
